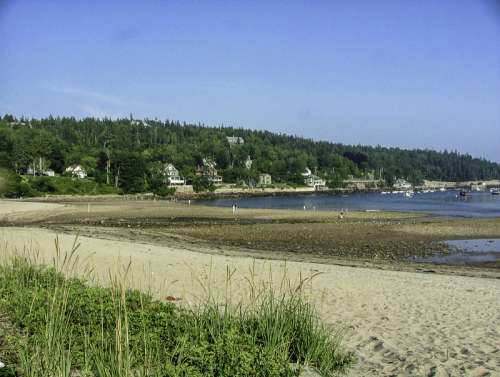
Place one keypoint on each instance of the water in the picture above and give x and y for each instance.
(467, 252)
(448, 203)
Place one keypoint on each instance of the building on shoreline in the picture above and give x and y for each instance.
(44, 173)
(313, 180)
(173, 177)
(208, 169)
(76, 171)
(265, 179)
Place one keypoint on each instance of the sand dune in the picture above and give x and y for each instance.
(398, 323)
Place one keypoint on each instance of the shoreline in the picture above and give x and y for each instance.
(236, 194)
(393, 320)
(382, 240)
(227, 192)
(397, 318)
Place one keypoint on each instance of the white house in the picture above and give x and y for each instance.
(209, 170)
(312, 180)
(265, 179)
(173, 177)
(248, 163)
(235, 140)
(315, 181)
(76, 171)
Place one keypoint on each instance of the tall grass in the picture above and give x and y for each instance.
(68, 328)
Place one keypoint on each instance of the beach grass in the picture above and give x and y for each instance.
(64, 327)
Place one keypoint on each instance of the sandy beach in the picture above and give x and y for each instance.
(398, 323)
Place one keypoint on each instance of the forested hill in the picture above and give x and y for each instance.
(142, 145)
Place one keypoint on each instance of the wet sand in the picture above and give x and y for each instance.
(397, 322)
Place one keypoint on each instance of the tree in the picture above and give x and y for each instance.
(89, 163)
(129, 171)
(201, 184)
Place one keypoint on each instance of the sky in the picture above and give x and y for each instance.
(414, 74)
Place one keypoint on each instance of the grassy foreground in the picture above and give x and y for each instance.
(64, 327)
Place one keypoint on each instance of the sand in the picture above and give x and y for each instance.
(11, 210)
(398, 323)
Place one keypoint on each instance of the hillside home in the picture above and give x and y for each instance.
(209, 170)
(265, 179)
(248, 163)
(172, 176)
(312, 180)
(45, 172)
(235, 140)
(76, 171)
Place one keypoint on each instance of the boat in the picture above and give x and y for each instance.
(463, 193)
(409, 194)
(495, 191)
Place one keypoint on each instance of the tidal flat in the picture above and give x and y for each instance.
(391, 240)
(395, 315)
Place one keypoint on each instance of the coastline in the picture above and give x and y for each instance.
(420, 322)
(240, 192)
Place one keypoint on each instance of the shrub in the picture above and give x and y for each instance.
(116, 332)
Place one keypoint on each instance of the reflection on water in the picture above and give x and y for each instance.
(467, 252)
(449, 203)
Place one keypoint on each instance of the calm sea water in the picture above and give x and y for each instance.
(448, 203)
(465, 252)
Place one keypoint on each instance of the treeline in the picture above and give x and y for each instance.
(129, 153)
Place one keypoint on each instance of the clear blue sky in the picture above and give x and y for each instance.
(398, 73)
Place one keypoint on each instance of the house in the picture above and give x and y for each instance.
(265, 179)
(248, 163)
(235, 140)
(46, 172)
(76, 171)
(402, 184)
(315, 181)
(209, 170)
(312, 180)
(172, 176)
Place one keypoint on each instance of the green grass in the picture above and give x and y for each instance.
(64, 325)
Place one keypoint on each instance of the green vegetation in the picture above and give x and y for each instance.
(125, 153)
(28, 186)
(63, 326)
